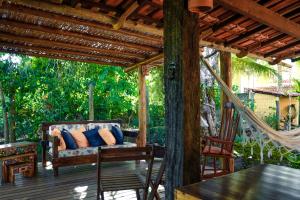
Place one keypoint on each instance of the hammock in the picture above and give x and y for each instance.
(289, 139)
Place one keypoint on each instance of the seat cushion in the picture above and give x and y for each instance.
(118, 134)
(93, 137)
(107, 136)
(79, 137)
(215, 150)
(89, 150)
(69, 140)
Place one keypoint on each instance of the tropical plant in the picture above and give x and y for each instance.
(251, 66)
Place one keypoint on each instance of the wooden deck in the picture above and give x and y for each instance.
(72, 183)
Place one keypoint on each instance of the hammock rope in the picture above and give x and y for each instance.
(289, 139)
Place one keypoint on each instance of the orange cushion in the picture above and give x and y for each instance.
(215, 150)
(62, 144)
(79, 137)
(107, 136)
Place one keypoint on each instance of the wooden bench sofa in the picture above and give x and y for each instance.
(78, 156)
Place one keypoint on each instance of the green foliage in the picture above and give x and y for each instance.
(156, 117)
(271, 119)
(56, 90)
(288, 158)
(252, 66)
(296, 85)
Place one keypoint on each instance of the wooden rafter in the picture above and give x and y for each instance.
(56, 1)
(267, 42)
(289, 14)
(78, 36)
(55, 56)
(59, 45)
(145, 62)
(290, 45)
(236, 51)
(85, 14)
(62, 19)
(263, 15)
(124, 16)
(65, 52)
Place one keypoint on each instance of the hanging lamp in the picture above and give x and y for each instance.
(197, 6)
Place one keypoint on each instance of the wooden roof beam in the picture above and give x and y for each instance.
(145, 62)
(62, 19)
(86, 15)
(278, 50)
(126, 14)
(79, 36)
(53, 44)
(66, 52)
(56, 1)
(236, 51)
(57, 57)
(263, 15)
(261, 27)
(267, 42)
(235, 17)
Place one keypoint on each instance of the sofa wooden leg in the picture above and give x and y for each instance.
(44, 154)
(55, 171)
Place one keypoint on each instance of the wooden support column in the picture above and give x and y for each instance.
(141, 139)
(226, 72)
(91, 101)
(226, 75)
(182, 95)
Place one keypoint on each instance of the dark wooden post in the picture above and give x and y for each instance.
(182, 95)
(226, 72)
(141, 139)
(226, 75)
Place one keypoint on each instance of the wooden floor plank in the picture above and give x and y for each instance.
(72, 183)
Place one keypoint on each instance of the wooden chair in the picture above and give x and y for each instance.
(126, 180)
(221, 146)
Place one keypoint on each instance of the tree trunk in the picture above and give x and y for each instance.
(182, 95)
(5, 118)
(12, 118)
(142, 137)
(91, 102)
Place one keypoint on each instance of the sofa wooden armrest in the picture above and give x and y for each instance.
(131, 133)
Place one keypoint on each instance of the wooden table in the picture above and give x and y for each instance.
(16, 152)
(260, 182)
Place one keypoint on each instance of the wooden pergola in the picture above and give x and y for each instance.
(143, 33)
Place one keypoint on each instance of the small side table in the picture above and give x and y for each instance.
(15, 153)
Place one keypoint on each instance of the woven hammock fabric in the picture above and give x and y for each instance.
(289, 139)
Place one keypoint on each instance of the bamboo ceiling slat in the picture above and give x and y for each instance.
(28, 31)
(66, 23)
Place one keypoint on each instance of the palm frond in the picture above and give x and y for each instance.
(249, 65)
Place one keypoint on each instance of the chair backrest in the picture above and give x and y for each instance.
(125, 154)
(229, 124)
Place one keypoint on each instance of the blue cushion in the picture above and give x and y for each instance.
(69, 140)
(93, 137)
(117, 133)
